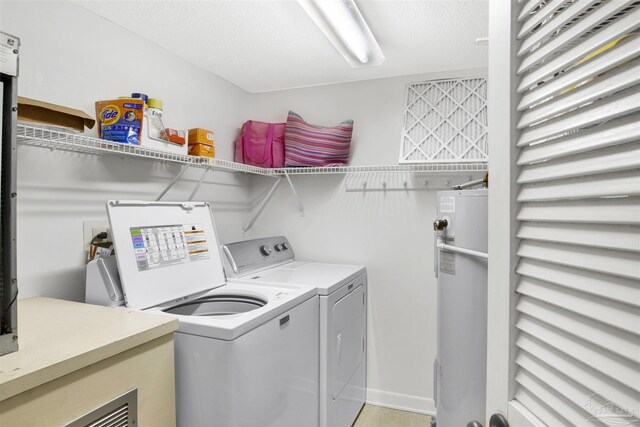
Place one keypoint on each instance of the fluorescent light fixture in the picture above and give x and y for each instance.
(344, 26)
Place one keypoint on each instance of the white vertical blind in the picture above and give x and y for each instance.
(578, 308)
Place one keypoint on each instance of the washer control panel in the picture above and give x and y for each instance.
(250, 255)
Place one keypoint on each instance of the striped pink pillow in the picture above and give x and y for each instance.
(310, 145)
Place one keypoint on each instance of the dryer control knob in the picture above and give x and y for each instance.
(278, 247)
(285, 246)
(265, 249)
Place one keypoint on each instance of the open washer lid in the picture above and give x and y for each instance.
(165, 250)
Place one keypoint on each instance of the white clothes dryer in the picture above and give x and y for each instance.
(343, 297)
(245, 355)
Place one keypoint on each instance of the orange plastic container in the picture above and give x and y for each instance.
(175, 136)
(200, 136)
(202, 150)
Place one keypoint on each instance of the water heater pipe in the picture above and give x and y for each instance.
(441, 245)
(484, 182)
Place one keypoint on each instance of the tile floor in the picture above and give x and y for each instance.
(377, 416)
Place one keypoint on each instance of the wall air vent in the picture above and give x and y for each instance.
(445, 121)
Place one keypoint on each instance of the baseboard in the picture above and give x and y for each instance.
(404, 402)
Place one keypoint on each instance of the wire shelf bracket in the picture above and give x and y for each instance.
(267, 198)
(197, 187)
(263, 203)
(172, 183)
(295, 193)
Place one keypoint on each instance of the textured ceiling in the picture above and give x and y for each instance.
(265, 45)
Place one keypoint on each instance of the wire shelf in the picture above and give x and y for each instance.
(79, 143)
(440, 168)
(228, 166)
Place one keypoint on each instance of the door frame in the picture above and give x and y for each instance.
(503, 209)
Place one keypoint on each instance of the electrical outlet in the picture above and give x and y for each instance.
(91, 229)
(100, 229)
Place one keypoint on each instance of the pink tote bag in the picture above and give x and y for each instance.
(261, 144)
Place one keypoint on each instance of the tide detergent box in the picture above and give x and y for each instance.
(120, 120)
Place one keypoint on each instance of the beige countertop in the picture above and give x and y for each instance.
(57, 337)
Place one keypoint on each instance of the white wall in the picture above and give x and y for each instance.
(72, 57)
(389, 232)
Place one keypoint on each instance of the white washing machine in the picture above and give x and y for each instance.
(343, 296)
(245, 355)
